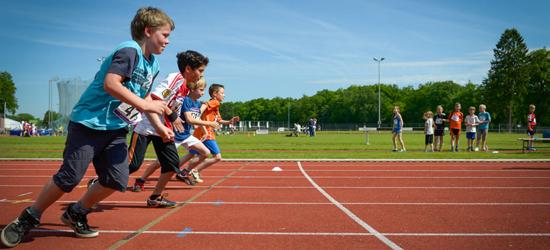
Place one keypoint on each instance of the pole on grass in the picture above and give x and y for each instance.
(379, 61)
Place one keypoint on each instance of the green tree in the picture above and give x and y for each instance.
(538, 89)
(7, 93)
(24, 117)
(507, 79)
(54, 116)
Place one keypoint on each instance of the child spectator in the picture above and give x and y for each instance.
(440, 120)
(471, 121)
(429, 131)
(531, 123)
(397, 130)
(484, 120)
(455, 125)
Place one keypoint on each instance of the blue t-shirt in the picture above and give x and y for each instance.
(396, 123)
(188, 105)
(484, 116)
(95, 107)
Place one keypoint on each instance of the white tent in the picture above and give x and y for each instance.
(11, 124)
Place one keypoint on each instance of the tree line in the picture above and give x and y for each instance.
(517, 77)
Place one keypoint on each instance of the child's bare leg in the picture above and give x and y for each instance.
(209, 162)
(95, 194)
(50, 193)
(394, 142)
(151, 168)
(401, 141)
(161, 183)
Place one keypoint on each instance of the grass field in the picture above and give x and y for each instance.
(328, 145)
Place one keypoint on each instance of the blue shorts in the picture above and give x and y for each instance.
(531, 132)
(396, 130)
(212, 145)
(470, 135)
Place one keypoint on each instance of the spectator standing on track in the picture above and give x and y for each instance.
(397, 130)
(98, 127)
(484, 120)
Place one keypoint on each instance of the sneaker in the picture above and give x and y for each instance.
(196, 175)
(17, 229)
(476, 149)
(91, 182)
(78, 222)
(394, 150)
(138, 185)
(403, 150)
(160, 202)
(184, 176)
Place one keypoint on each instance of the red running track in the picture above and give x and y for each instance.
(343, 205)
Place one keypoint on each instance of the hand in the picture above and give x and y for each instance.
(178, 125)
(214, 125)
(166, 134)
(155, 106)
(235, 119)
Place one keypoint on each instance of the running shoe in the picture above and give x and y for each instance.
(138, 185)
(78, 222)
(184, 176)
(14, 232)
(160, 202)
(196, 175)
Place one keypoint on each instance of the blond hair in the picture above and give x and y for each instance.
(428, 114)
(201, 83)
(482, 106)
(149, 17)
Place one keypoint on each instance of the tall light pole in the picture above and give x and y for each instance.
(50, 82)
(379, 61)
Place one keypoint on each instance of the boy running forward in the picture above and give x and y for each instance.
(190, 113)
(440, 119)
(531, 123)
(96, 133)
(484, 120)
(210, 112)
(471, 121)
(455, 124)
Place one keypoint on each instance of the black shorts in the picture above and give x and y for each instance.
(455, 131)
(167, 153)
(429, 139)
(439, 132)
(106, 149)
(531, 132)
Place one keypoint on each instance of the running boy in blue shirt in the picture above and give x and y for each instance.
(98, 127)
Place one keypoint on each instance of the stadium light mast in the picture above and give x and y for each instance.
(50, 82)
(379, 61)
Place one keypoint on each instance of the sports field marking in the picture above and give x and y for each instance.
(219, 203)
(330, 177)
(188, 232)
(136, 233)
(351, 170)
(309, 187)
(27, 193)
(354, 217)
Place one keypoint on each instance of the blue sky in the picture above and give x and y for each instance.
(270, 48)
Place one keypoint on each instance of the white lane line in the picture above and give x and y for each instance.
(27, 193)
(169, 232)
(341, 170)
(322, 203)
(328, 177)
(354, 217)
(310, 187)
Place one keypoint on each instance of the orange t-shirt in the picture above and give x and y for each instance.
(455, 119)
(211, 114)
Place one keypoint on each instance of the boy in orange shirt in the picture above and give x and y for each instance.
(455, 124)
(210, 111)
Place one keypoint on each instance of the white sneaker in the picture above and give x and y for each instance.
(476, 149)
(196, 175)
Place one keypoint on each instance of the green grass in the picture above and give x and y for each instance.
(332, 145)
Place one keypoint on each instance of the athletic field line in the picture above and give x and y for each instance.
(169, 232)
(342, 170)
(310, 187)
(142, 202)
(354, 217)
(323, 160)
(327, 177)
